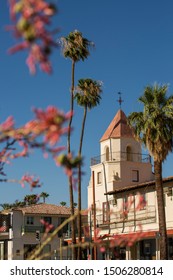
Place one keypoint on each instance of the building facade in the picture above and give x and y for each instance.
(122, 196)
(22, 229)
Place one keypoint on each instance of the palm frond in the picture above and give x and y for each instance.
(154, 126)
(88, 93)
(75, 46)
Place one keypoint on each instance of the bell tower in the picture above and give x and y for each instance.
(121, 162)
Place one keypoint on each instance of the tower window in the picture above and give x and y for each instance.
(107, 153)
(129, 153)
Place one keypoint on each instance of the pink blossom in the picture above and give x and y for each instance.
(50, 122)
(31, 62)
(31, 17)
(48, 227)
(48, 126)
(12, 12)
(102, 249)
(18, 47)
(141, 202)
(24, 152)
(46, 67)
(34, 183)
(8, 124)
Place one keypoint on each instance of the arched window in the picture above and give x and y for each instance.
(107, 153)
(129, 153)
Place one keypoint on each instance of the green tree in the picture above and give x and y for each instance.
(154, 128)
(6, 206)
(19, 203)
(31, 199)
(87, 96)
(75, 204)
(63, 203)
(44, 195)
(76, 48)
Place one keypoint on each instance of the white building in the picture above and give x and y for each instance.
(122, 178)
(21, 231)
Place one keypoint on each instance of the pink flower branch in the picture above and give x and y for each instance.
(31, 19)
(43, 132)
(29, 179)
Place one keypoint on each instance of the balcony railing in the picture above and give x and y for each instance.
(132, 218)
(33, 229)
(121, 156)
(41, 229)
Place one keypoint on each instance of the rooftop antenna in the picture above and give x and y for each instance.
(120, 100)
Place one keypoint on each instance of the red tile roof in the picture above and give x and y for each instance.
(118, 127)
(44, 208)
(140, 185)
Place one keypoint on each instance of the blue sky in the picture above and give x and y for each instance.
(133, 48)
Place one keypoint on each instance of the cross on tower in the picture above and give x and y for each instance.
(120, 100)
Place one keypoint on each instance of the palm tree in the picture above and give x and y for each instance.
(44, 195)
(154, 128)
(87, 96)
(63, 203)
(75, 47)
(31, 199)
(18, 203)
(6, 206)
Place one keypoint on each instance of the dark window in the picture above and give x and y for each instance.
(29, 220)
(135, 175)
(65, 228)
(48, 220)
(129, 153)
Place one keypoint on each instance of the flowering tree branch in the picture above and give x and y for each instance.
(43, 132)
(30, 21)
(29, 179)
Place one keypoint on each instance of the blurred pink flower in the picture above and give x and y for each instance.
(31, 17)
(48, 227)
(8, 124)
(34, 183)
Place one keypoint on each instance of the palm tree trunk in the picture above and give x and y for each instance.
(71, 108)
(161, 210)
(79, 187)
(69, 151)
